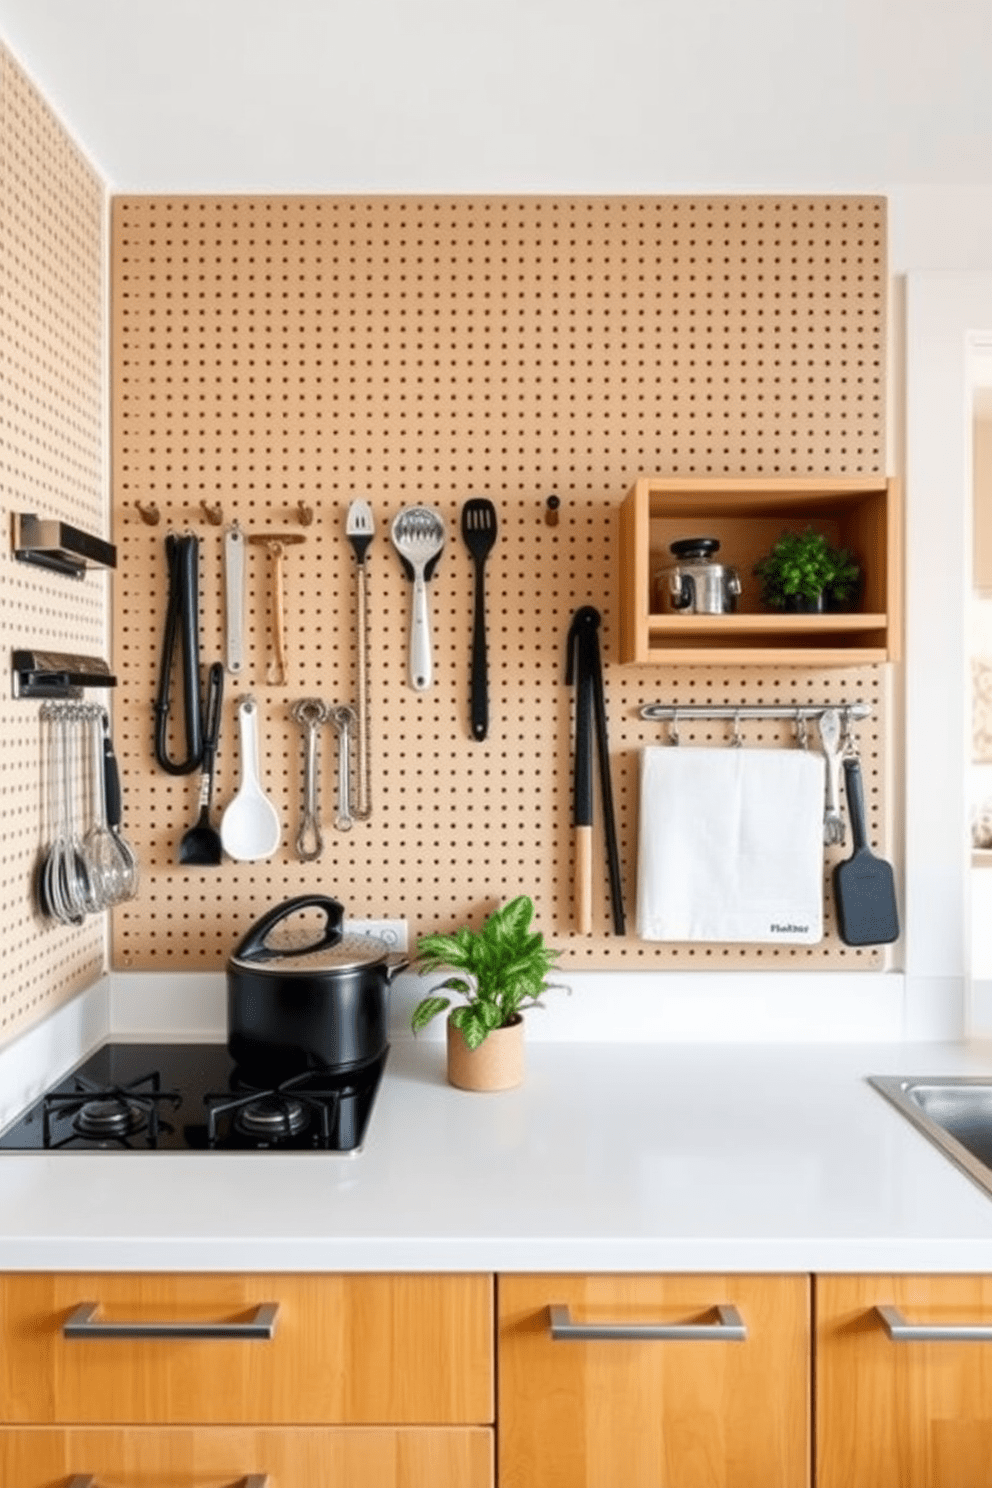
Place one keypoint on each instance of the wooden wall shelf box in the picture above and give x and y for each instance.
(747, 514)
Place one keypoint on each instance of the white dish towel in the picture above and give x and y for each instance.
(730, 845)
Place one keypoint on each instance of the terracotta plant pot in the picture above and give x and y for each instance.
(497, 1064)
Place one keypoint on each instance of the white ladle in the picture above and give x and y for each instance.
(250, 827)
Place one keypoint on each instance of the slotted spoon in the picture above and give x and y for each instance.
(479, 532)
(418, 534)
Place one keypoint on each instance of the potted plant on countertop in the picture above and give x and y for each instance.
(804, 571)
(498, 970)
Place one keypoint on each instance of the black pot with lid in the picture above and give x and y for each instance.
(299, 1002)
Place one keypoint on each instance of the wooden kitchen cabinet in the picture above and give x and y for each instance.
(746, 515)
(903, 1413)
(221, 1457)
(411, 1349)
(708, 1412)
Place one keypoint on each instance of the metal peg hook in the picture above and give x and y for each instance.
(214, 513)
(149, 514)
(802, 731)
(848, 740)
(673, 729)
(737, 739)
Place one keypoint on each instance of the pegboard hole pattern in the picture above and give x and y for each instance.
(268, 350)
(52, 416)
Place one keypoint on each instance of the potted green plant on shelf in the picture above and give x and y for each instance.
(804, 571)
(498, 970)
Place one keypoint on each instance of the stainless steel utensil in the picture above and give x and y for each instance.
(830, 738)
(479, 527)
(54, 886)
(106, 869)
(235, 571)
(83, 891)
(310, 714)
(359, 530)
(418, 534)
(343, 719)
(250, 827)
(275, 544)
(114, 807)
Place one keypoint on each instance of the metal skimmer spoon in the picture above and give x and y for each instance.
(418, 534)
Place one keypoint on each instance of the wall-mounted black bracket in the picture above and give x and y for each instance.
(52, 674)
(56, 545)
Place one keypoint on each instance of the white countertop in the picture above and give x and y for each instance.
(619, 1156)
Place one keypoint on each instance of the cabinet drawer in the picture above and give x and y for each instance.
(694, 1406)
(907, 1412)
(219, 1457)
(398, 1349)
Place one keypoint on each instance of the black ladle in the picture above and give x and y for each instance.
(201, 845)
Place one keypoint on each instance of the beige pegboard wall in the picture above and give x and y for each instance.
(267, 351)
(52, 402)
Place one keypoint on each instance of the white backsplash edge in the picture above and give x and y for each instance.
(30, 1062)
(605, 1007)
(183, 1006)
(701, 1007)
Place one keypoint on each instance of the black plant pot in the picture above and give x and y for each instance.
(801, 604)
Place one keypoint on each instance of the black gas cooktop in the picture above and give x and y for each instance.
(193, 1097)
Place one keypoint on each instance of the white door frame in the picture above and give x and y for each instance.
(948, 326)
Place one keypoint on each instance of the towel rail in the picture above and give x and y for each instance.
(672, 712)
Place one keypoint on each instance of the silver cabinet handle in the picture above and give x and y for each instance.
(253, 1480)
(902, 1332)
(84, 1324)
(728, 1328)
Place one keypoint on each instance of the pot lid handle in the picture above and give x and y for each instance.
(253, 947)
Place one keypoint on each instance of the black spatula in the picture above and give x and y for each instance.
(201, 845)
(864, 888)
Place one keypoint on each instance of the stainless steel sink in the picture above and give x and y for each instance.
(955, 1112)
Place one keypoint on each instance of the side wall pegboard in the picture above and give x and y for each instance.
(422, 351)
(52, 421)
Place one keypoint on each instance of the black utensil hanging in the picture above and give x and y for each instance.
(584, 668)
(864, 887)
(201, 844)
(181, 634)
(479, 526)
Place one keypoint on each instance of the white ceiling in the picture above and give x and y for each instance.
(516, 95)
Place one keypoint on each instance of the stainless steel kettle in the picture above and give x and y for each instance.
(695, 585)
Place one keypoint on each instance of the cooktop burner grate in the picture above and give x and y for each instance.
(107, 1113)
(286, 1110)
(116, 1102)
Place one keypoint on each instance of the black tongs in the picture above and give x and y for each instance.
(585, 670)
(181, 634)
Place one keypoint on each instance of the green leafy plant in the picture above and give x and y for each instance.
(498, 970)
(804, 565)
